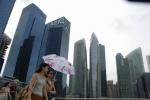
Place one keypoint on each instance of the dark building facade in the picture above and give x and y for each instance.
(5, 41)
(102, 63)
(6, 7)
(143, 86)
(24, 53)
(56, 41)
(78, 83)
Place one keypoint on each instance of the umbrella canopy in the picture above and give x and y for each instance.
(59, 64)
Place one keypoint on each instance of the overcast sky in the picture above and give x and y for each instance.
(119, 25)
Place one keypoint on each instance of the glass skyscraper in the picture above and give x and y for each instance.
(56, 41)
(78, 82)
(136, 66)
(94, 87)
(97, 73)
(124, 77)
(129, 70)
(24, 53)
(6, 7)
(102, 68)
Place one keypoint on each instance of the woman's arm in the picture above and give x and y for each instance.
(54, 90)
(31, 85)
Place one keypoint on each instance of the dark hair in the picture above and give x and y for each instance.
(41, 66)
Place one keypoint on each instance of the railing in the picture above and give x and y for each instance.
(57, 98)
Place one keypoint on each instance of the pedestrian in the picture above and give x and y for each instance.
(13, 88)
(51, 91)
(5, 92)
(37, 86)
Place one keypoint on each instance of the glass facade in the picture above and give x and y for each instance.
(78, 83)
(6, 7)
(136, 66)
(56, 41)
(124, 77)
(97, 73)
(27, 40)
(23, 59)
(136, 63)
(102, 68)
(93, 74)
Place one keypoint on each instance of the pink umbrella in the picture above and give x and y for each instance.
(59, 64)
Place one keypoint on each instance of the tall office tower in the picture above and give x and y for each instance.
(78, 83)
(95, 72)
(5, 41)
(102, 68)
(56, 41)
(136, 66)
(124, 77)
(26, 45)
(148, 61)
(6, 7)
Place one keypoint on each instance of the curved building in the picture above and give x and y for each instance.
(136, 66)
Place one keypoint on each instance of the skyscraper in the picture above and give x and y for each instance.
(136, 63)
(56, 41)
(24, 52)
(97, 73)
(136, 66)
(94, 87)
(6, 7)
(102, 68)
(78, 83)
(5, 41)
(124, 77)
(148, 61)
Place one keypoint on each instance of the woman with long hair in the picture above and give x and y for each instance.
(37, 87)
(50, 85)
